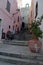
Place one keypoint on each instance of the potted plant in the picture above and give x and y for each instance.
(35, 44)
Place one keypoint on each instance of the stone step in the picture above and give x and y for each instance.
(40, 58)
(14, 55)
(21, 56)
(23, 36)
(15, 42)
(20, 61)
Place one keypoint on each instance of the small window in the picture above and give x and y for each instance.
(14, 22)
(16, 25)
(36, 9)
(8, 6)
(9, 26)
(0, 22)
(18, 18)
(13, 27)
(0, 19)
(27, 5)
(23, 17)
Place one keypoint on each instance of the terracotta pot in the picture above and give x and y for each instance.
(35, 45)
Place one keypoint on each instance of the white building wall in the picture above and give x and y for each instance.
(40, 12)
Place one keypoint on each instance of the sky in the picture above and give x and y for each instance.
(24, 2)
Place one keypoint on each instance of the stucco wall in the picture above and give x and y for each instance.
(40, 12)
(25, 14)
(7, 17)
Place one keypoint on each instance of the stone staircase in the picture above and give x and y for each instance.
(19, 55)
(23, 36)
(21, 59)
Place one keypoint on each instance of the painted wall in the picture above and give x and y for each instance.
(40, 12)
(7, 17)
(25, 13)
(31, 12)
(19, 3)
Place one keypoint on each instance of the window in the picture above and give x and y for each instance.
(27, 5)
(9, 26)
(16, 25)
(36, 9)
(8, 6)
(13, 27)
(14, 22)
(18, 18)
(0, 21)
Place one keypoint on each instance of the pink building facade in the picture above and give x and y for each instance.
(9, 15)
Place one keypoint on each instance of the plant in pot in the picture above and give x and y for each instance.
(35, 44)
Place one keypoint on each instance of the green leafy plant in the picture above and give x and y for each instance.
(35, 27)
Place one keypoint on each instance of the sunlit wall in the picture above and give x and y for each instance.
(22, 3)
